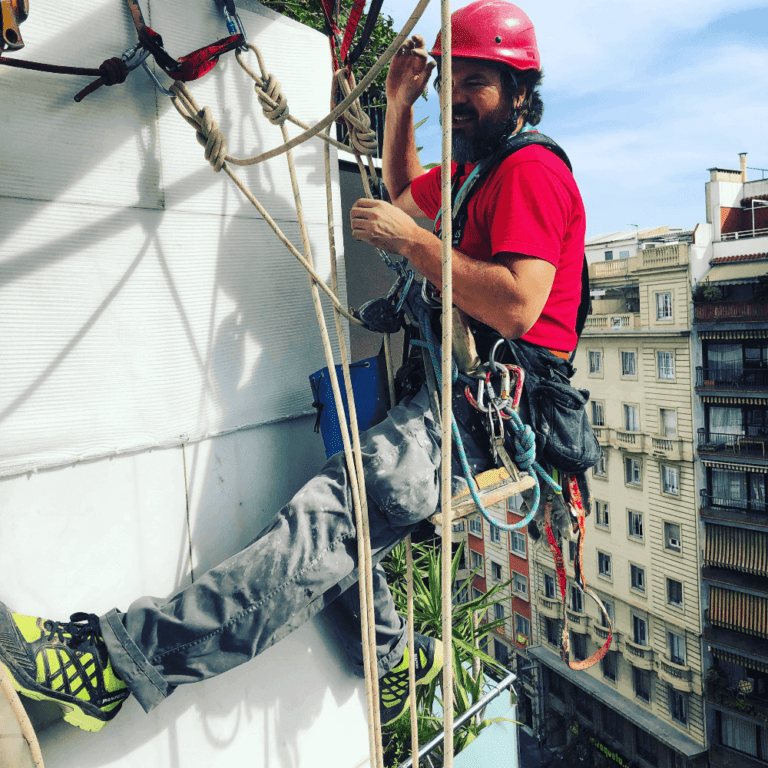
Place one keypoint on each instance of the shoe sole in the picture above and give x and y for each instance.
(437, 666)
(73, 714)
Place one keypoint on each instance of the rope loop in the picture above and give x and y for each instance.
(361, 135)
(273, 101)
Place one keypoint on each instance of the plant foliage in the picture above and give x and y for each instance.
(469, 677)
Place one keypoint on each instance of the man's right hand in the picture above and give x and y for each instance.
(409, 73)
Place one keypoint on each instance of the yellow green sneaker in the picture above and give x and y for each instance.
(64, 662)
(394, 698)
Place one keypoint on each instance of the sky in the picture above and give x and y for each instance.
(643, 97)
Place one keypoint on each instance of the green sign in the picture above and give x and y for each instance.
(615, 756)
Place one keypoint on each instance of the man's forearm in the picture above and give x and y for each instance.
(400, 163)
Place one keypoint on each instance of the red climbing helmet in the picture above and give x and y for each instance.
(494, 30)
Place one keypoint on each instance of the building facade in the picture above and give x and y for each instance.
(730, 322)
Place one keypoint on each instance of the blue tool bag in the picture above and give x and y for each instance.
(369, 384)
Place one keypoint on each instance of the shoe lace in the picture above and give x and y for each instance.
(80, 628)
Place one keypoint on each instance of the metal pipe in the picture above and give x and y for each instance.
(459, 721)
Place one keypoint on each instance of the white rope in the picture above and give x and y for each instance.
(446, 87)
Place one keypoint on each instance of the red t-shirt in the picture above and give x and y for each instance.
(529, 204)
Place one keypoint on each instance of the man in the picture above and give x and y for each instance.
(514, 272)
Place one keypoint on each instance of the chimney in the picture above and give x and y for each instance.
(743, 166)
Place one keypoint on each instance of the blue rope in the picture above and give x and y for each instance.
(525, 440)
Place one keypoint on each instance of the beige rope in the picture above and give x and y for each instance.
(25, 725)
(446, 86)
(361, 136)
(342, 106)
(411, 655)
(188, 108)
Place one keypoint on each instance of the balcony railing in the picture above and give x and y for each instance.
(710, 501)
(579, 621)
(677, 675)
(731, 377)
(602, 435)
(651, 258)
(743, 234)
(751, 446)
(630, 441)
(712, 312)
(612, 322)
(642, 656)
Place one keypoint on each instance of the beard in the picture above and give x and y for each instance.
(490, 133)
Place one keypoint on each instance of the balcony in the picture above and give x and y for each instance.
(634, 442)
(741, 512)
(679, 676)
(652, 258)
(549, 607)
(730, 311)
(602, 435)
(626, 321)
(578, 622)
(731, 378)
(733, 446)
(600, 635)
(668, 448)
(744, 234)
(639, 655)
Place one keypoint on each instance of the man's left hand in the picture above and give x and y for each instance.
(383, 226)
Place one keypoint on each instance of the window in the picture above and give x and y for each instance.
(675, 592)
(631, 418)
(646, 746)
(461, 595)
(600, 469)
(458, 527)
(670, 482)
(476, 560)
(632, 471)
(609, 610)
(642, 682)
(743, 736)
(609, 255)
(613, 723)
(495, 571)
(477, 594)
(608, 666)
(629, 364)
(554, 682)
(577, 600)
(672, 537)
(668, 422)
(515, 504)
(549, 586)
(553, 632)
(602, 514)
(476, 526)
(623, 254)
(522, 626)
(676, 648)
(665, 365)
(598, 413)
(501, 652)
(517, 543)
(595, 361)
(637, 577)
(495, 534)
(571, 551)
(678, 706)
(664, 306)
(604, 565)
(579, 646)
(462, 557)
(498, 610)
(521, 586)
(639, 630)
(635, 524)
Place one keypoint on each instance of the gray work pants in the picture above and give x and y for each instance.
(304, 561)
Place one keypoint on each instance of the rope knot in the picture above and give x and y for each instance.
(113, 71)
(525, 448)
(273, 102)
(210, 137)
(361, 135)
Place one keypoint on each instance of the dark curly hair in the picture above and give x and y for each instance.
(512, 81)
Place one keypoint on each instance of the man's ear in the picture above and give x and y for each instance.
(520, 98)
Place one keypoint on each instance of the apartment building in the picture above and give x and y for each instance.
(730, 323)
(644, 701)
